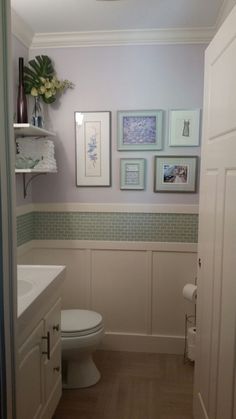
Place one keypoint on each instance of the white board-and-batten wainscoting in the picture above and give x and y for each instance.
(136, 286)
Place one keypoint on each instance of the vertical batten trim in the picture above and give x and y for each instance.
(149, 292)
(89, 269)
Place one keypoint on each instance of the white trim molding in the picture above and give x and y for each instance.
(110, 245)
(116, 207)
(123, 37)
(133, 342)
(24, 209)
(21, 30)
(202, 35)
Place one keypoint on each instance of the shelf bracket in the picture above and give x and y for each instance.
(27, 183)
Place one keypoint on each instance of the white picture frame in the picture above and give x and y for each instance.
(184, 128)
(93, 148)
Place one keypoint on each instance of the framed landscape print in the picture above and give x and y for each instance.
(93, 148)
(132, 174)
(184, 128)
(140, 130)
(175, 174)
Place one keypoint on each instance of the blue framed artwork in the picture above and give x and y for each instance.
(140, 130)
(132, 174)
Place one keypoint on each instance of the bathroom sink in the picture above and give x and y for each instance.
(33, 281)
(23, 287)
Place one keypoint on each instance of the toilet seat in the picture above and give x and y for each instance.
(75, 323)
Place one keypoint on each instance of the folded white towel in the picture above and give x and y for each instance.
(40, 150)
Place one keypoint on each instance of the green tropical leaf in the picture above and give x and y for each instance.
(40, 66)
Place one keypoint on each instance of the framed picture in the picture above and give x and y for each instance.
(175, 174)
(184, 128)
(132, 174)
(140, 130)
(93, 145)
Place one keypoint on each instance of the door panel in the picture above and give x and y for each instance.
(228, 306)
(216, 313)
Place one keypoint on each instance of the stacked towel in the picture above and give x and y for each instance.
(41, 150)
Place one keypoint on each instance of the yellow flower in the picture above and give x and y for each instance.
(48, 85)
(34, 91)
(42, 79)
(48, 94)
(42, 90)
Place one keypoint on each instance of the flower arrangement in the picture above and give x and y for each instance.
(40, 79)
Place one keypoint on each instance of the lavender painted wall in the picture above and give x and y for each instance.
(119, 78)
(19, 50)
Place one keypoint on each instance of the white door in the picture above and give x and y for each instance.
(216, 308)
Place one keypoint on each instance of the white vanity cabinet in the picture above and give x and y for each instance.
(39, 356)
(30, 378)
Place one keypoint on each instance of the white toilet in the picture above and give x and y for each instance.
(81, 332)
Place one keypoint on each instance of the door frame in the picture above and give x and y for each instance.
(8, 300)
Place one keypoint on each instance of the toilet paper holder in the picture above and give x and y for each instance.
(190, 321)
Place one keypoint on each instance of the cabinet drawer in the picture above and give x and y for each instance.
(53, 323)
(52, 371)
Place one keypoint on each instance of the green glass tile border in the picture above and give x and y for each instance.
(116, 226)
(152, 227)
(25, 228)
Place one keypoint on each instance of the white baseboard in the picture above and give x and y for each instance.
(143, 343)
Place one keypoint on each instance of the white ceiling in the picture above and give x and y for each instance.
(50, 16)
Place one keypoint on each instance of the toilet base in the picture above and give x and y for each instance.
(80, 373)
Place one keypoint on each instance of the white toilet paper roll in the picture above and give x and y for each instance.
(190, 292)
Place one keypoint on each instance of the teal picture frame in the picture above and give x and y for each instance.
(140, 130)
(175, 174)
(132, 174)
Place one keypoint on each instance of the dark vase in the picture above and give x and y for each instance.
(22, 116)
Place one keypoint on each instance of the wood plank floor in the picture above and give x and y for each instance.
(133, 386)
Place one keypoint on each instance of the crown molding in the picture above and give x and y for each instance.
(123, 37)
(21, 30)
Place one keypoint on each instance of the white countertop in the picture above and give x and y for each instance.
(38, 278)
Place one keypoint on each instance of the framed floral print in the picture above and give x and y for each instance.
(93, 148)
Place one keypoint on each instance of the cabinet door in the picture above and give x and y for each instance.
(52, 372)
(30, 389)
(52, 366)
(53, 323)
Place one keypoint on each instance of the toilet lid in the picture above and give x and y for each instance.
(80, 321)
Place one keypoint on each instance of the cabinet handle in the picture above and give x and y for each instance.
(56, 327)
(56, 369)
(48, 351)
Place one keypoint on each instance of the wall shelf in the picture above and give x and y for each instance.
(28, 130)
(34, 171)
